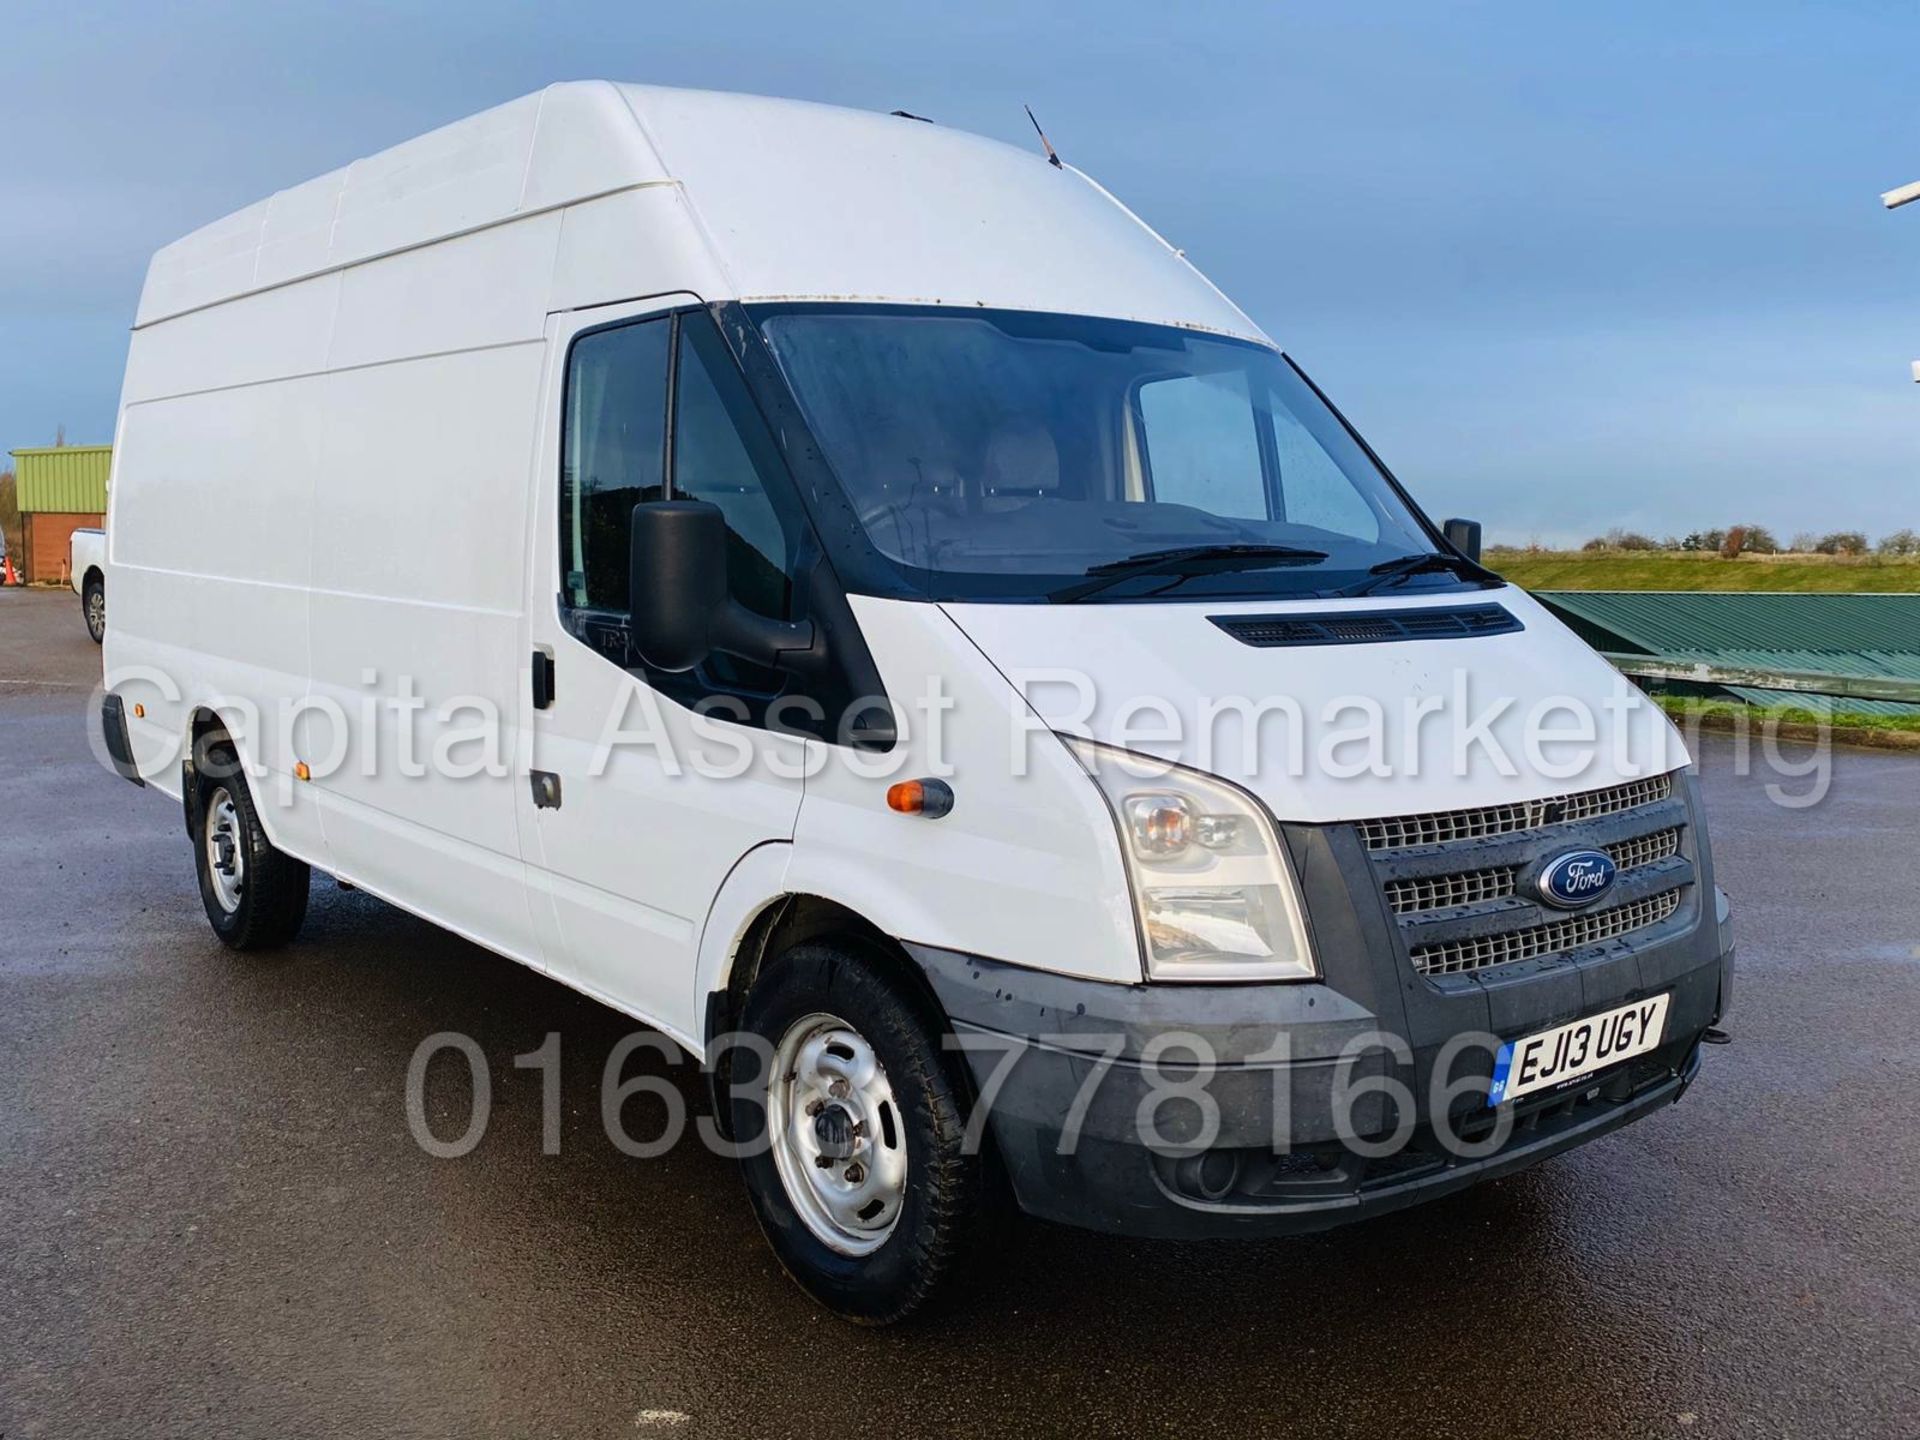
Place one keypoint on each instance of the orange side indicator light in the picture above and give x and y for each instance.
(139, 710)
(929, 799)
(301, 772)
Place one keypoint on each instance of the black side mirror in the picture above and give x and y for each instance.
(679, 609)
(1464, 536)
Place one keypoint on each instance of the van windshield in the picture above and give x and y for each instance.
(1018, 455)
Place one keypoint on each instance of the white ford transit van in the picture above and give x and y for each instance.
(852, 597)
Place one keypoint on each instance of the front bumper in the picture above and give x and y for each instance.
(1093, 1093)
(1211, 1110)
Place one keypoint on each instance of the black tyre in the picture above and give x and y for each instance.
(93, 604)
(255, 896)
(856, 1158)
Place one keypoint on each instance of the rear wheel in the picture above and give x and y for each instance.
(255, 896)
(857, 1162)
(93, 604)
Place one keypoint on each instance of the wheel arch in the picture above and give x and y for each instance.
(755, 919)
(758, 911)
(795, 918)
(203, 722)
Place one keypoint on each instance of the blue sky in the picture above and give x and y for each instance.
(1567, 266)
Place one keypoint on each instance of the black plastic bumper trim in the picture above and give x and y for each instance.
(113, 729)
(1043, 1032)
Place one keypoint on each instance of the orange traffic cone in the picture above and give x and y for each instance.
(11, 577)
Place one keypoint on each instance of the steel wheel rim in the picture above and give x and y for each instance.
(226, 858)
(838, 1138)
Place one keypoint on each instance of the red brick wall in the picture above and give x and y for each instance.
(47, 534)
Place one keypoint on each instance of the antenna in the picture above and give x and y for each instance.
(1052, 158)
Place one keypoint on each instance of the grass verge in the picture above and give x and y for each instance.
(1798, 574)
(1795, 722)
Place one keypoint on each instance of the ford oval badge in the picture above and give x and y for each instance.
(1576, 878)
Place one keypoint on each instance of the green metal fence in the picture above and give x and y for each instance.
(1760, 648)
(1742, 678)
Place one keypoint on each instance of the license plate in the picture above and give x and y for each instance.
(1567, 1053)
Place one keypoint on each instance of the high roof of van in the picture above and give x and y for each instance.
(791, 200)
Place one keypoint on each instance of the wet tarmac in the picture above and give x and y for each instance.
(215, 1221)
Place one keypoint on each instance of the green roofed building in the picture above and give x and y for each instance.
(61, 488)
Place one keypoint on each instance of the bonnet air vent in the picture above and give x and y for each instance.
(1365, 627)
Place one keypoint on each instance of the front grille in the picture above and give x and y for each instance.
(1437, 892)
(1441, 827)
(1473, 887)
(1645, 849)
(1457, 883)
(1454, 957)
(1349, 627)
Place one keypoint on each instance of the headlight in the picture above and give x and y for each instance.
(1215, 895)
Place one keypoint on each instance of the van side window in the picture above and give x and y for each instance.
(1202, 448)
(613, 455)
(724, 454)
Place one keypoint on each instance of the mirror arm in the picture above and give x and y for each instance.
(740, 631)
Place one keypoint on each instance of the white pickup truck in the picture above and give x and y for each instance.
(87, 554)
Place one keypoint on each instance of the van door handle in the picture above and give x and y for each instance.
(542, 680)
(546, 790)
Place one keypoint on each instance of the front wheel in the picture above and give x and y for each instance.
(93, 604)
(857, 1160)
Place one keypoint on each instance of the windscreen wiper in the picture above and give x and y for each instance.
(1184, 561)
(1401, 567)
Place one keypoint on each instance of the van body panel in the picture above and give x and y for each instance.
(216, 262)
(482, 290)
(758, 882)
(535, 154)
(447, 182)
(1147, 676)
(894, 209)
(379, 406)
(422, 635)
(900, 210)
(296, 234)
(277, 335)
(215, 592)
(602, 258)
(1029, 867)
(632, 857)
(586, 143)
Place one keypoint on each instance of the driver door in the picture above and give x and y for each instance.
(644, 790)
